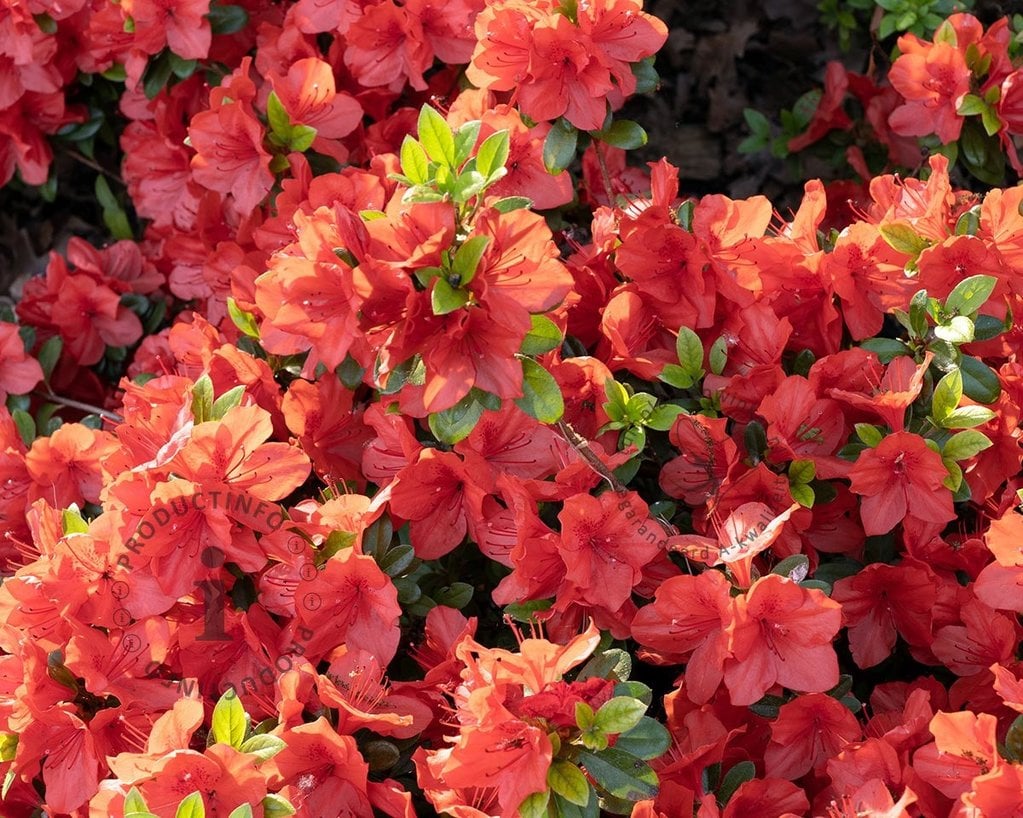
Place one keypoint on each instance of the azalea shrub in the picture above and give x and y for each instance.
(406, 451)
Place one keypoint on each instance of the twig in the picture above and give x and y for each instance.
(605, 174)
(582, 445)
(96, 166)
(88, 408)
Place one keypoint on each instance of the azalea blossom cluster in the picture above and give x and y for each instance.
(965, 75)
(380, 384)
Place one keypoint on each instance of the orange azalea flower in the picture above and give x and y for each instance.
(67, 466)
(706, 457)
(873, 799)
(998, 794)
(746, 532)
(933, 78)
(689, 621)
(881, 601)
(903, 379)
(808, 731)
(310, 97)
(19, 373)
(230, 157)
(783, 635)
(964, 747)
(898, 479)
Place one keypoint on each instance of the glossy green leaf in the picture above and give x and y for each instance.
(446, 299)
(739, 774)
(619, 714)
(227, 19)
(543, 336)
(965, 444)
(541, 395)
(191, 807)
(414, 162)
(467, 258)
(980, 382)
(568, 781)
(648, 740)
(559, 147)
(455, 424)
(947, 394)
(264, 747)
(229, 400)
(967, 417)
(970, 294)
(245, 321)
(435, 136)
(277, 806)
(535, 806)
(493, 153)
(620, 774)
(624, 134)
(229, 721)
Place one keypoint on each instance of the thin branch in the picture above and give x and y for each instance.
(582, 445)
(605, 174)
(96, 166)
(88, 408)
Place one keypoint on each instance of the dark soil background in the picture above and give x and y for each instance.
(721, 57)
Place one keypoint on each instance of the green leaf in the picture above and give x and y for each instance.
(191, 807)
(971, 105)
(456, 595)
(649, 739)
(947, 395)
(467, 258)
(803, 494)
(229, 400)
(455, 424)
(134, 802)
(613, 663)
(535, 806)
(904, 239)
(980, 382)
(227, 19)
(958, 330)
(647, 80)
(26, 426)
(620, 774)
(986, 327)
(869, 434)
(689, 349)
(718, 356)
(965, 445)
(245, 321)
(229, 722)
(493, 153)
(397, 560)
(277, 806)
(510, 203)
(802, 471)
(264, 747)
(446, 299)
(465, 140)
(414, 162)
(584, 716)
(8, 746)
(675, 375)
(568, 781)
(202, 399)
(277, 117)
(1014, 741)
(49, 355)
(970, 294)
(436, 138)
(619, 714)
(302, 138)
(114, 216)
(885, 348)
(559, 146)
(664, 417)
(241, 811)
(542, 337)
(72, 521)
(624, 134)
(541, 395)
(794, 568)
(155, 77)
(739, 774)
(967, 417)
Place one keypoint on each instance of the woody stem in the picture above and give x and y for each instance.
(96, 166)
(88, 408)
(604, 172)
(582, 445)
